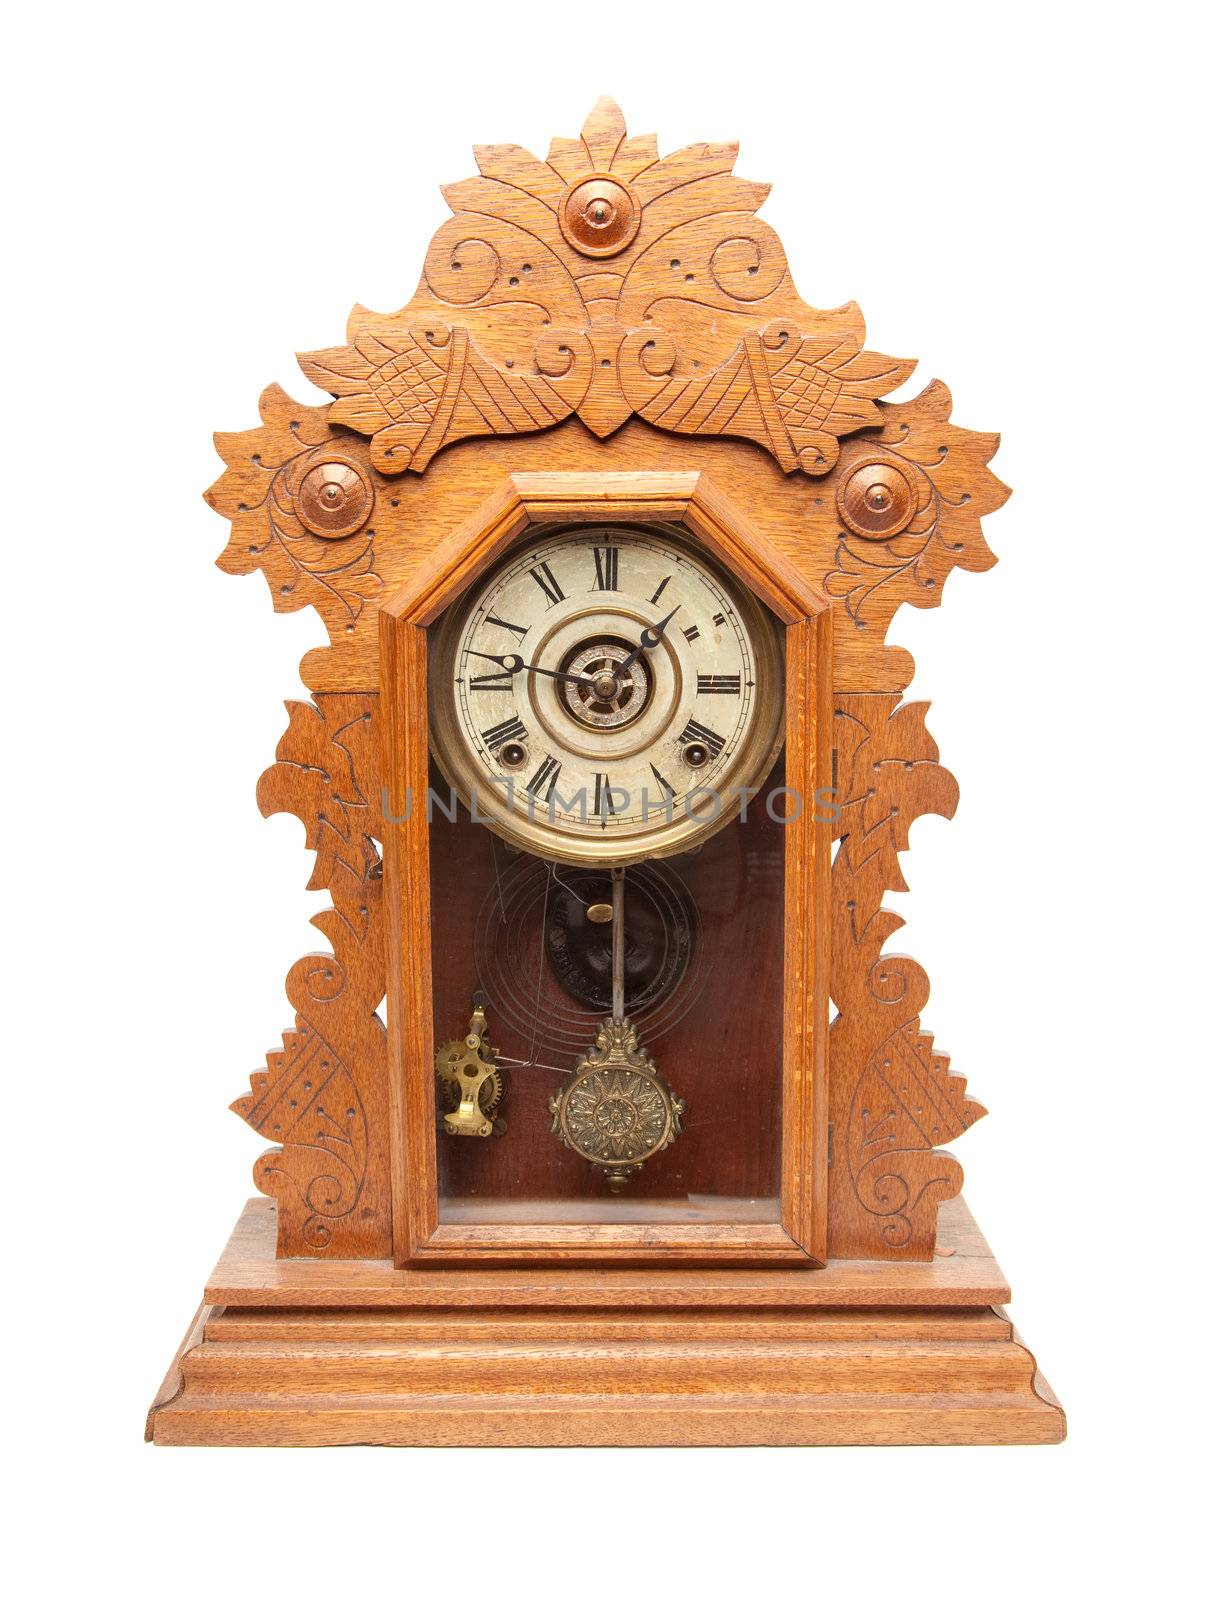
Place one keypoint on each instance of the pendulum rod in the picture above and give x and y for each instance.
(618, 944)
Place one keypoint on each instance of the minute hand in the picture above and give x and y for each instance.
(650, 639)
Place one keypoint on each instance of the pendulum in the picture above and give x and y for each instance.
(617, 1110)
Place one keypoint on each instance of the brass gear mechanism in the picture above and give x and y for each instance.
(470, 1085)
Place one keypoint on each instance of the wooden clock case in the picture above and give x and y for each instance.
(605, 336)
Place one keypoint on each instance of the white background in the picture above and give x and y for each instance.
(1018, 196)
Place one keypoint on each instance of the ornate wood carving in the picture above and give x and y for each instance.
(324, 1095)
(893, 1099)
(611, 335)
(604, 282)
(309, 553)
(909, 499)
(868, 575)
(609, 310)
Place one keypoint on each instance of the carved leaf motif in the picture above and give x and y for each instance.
(794, 395)
(827, 387)
(697, 163)
(416, 389)
(956, 489)
(907, 1101)
(893, 1097)
(514, 326)
(307, 1099)
(323, 1096)
(887, 775)
(517, 168)
(257, 492)
(603, 133)
(315, 779)
(381, 384)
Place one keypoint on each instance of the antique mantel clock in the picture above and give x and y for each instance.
(606, 1118)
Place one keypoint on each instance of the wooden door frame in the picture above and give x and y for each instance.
(529, 500)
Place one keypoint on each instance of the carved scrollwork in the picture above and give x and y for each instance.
(693, 325)
(893, 1098)
(323, 1095)
(311, 549)
(610, 242)
(308, 1100)
(792, 394)
(609, 283)
(939, 485)
(906, 1102)
(414, 389)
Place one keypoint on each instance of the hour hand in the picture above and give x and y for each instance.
(515, 663)
(511, 664)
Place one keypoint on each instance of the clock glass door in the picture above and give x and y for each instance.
(607, 820)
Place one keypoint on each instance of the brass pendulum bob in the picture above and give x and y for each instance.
(617, 1110)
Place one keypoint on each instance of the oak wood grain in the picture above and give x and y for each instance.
(250, 1274)
(913, 1415)
(520, 1357)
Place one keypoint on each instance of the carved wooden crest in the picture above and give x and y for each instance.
(605, 282)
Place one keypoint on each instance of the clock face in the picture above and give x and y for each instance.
(606, 693)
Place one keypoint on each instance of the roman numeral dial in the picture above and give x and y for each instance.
(594, 684)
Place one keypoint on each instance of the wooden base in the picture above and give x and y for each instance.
(318, 1352)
